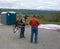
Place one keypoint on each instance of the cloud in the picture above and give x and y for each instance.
(31, 4)
(49, 5)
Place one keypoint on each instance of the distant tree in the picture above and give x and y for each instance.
(53, 17)
(41, 16)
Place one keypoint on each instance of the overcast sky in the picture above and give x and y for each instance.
(31, 4)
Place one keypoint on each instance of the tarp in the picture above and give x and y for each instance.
(49, 26)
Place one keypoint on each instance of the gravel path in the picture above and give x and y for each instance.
(48, 39)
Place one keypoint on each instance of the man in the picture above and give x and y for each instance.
(23, 23)
(34, 28)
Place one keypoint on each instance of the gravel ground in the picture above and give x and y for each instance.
(47, 39)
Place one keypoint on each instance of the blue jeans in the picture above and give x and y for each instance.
(34, 31)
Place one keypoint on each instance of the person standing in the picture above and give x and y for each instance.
(34, 28)
(23, 23)
(20, 24)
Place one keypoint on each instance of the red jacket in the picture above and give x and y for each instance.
(34, 22)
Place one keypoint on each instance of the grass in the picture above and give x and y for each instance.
(43, 21)
(27, 21)
(49, 22)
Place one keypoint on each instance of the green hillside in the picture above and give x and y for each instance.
(28, 11)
